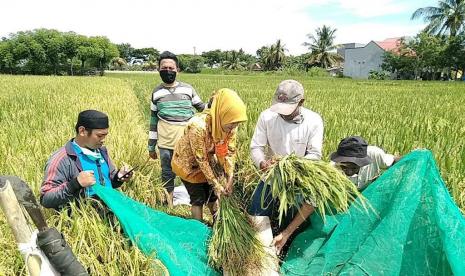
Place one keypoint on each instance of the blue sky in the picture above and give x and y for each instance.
(398, 12)
(364, 20)
(181, 25)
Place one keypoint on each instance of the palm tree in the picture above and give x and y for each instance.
(275, 55)
(118, 62)
(233, 61)
(447, 18)
(262, 53)
(321, 46)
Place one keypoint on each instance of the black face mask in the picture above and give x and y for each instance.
(168, 76)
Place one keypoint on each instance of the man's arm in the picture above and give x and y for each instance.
(382, 159)
(57, 189)
(397, 159)
(153, 134)
(304, 212)
(197, 101)
(315, 142)
(115, 174)
(258, 143)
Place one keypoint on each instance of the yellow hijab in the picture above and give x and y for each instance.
(227, 107)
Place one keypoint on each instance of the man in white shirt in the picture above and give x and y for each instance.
(286, 127)
(361, 163)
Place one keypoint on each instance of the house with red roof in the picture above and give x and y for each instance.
(360, 61)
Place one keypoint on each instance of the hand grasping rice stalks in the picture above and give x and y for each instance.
(317, 182)
(234, 245)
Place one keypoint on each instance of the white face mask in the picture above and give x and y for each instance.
(93, 155)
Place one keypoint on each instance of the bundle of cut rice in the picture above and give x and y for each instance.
(293, 179)
(234, 246)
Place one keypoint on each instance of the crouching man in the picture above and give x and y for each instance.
(81, 163)
(286, 127)
(360, 162)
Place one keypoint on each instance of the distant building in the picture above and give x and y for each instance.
(255, 67)
(335, 71)
(359, 61)
(342, 48)
(136, 61)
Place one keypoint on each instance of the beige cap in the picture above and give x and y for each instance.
(287, 97)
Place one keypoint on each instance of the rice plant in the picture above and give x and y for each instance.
(37, 116)
(234, 246)
(294, 180)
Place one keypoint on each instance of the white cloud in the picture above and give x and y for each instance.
(178, 24)
(181, 25)
(368, 8)
(371, 8)
(366, 32)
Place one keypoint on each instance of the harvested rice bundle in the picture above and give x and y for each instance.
(293, 178)
(234, 245)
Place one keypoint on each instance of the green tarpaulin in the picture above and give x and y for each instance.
(415, 228)
(181, 244)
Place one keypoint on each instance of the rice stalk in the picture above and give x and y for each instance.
(234, 246)
(294, 179)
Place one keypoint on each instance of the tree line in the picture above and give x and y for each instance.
(50, 52)
(438, 52)
(46, 52)
(427, 57)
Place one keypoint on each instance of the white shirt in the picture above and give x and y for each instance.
(275, 136)
(368, 173)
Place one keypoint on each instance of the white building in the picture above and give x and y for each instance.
(359, 61)
(136, 61)
(341, 50)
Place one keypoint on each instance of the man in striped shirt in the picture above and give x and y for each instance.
(171, 108)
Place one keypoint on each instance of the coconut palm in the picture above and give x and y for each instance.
(118, 62)
(233, 61)
(447, 18)
(275, 56)
(321, 46)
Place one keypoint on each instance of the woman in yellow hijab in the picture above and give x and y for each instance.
(204, 157)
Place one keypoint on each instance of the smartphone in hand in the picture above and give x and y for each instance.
(127, 173)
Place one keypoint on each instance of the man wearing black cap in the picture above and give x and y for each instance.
(171, 107)
(360, 162)
(83, 162)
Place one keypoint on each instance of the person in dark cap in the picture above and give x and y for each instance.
(82, 162)
(361, 163)
(171, 107)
